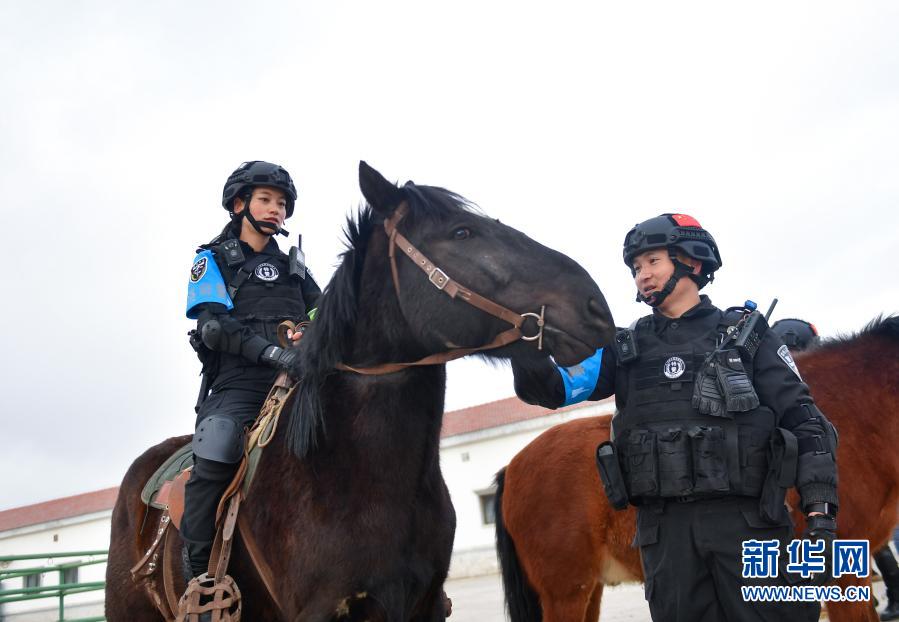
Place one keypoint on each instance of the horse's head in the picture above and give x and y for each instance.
(449, 240)
(377, 311)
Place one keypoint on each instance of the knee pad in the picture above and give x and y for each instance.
(219, 438)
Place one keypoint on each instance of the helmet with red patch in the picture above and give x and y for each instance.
(674, 231)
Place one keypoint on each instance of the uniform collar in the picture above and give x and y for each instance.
(703, 309)
(271, 247)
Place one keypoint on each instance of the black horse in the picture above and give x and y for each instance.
(349, 507)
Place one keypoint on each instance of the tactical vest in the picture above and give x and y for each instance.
(667, 448)
(268, 296)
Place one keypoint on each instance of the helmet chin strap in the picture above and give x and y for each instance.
(270, 228)
(654, 299)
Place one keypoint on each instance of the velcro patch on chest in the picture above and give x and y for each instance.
(266, 272)
(674, 367)
(784, 353)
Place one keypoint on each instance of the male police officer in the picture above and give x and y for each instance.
(702, 394)
(241, 287)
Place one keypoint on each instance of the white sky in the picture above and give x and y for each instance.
(775, 124)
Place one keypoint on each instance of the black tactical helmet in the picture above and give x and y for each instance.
(678, 231)
(258, 173)
(796, 334)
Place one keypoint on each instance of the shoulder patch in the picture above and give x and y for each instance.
(206, 284)
(198, 269)
(784, 353)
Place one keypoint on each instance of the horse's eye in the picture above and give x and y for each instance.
(462, 233)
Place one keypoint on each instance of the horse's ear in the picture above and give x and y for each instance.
(383, 196)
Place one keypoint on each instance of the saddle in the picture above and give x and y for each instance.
(214, 591)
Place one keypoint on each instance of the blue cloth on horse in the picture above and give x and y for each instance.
(206, 284)
(580, 380)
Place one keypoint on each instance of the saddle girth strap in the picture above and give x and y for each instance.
(224, 540)
(262, 567)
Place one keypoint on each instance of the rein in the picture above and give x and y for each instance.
(453, 289)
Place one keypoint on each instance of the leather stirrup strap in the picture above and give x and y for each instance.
(224, 538)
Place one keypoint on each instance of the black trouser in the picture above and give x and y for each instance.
(889, 569)
(210, 478)
(692, 561)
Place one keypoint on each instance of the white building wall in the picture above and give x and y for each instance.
(470, 462)
(82, 533)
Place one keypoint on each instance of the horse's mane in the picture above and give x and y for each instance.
(880, 326)
(329, 338)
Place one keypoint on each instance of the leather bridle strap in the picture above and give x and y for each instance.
(437, 276)
(453, 289)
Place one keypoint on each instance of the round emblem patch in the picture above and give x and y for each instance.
(198, 270)
(266, 272)
(674, 367)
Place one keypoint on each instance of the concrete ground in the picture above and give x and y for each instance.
(477, 599)
(480, 599)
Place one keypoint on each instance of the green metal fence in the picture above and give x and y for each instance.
(59, 591)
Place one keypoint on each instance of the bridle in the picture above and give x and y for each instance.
(453, 289)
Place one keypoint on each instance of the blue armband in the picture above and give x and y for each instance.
(206, 284)
(580, 380)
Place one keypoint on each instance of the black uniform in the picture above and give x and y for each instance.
(697, 478)
(233, 340)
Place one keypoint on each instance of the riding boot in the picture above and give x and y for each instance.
(889, 569)
(208, 481)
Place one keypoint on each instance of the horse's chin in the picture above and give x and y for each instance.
(567, 350)
(568, 353)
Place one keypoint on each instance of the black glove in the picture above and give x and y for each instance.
(706, 395)
(280, 358)
(736, 387)
(819, 527)
(822, 527)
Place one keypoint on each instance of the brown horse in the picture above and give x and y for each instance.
(348, 506)
(560, 541)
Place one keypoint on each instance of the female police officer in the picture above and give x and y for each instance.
(703, 396)
(241, 287)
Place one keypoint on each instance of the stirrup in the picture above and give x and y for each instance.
(203, 594)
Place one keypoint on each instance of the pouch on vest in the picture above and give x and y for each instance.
(641, 464)
(610, 474)
(675, 463)
(709, 460)
(783, 459)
